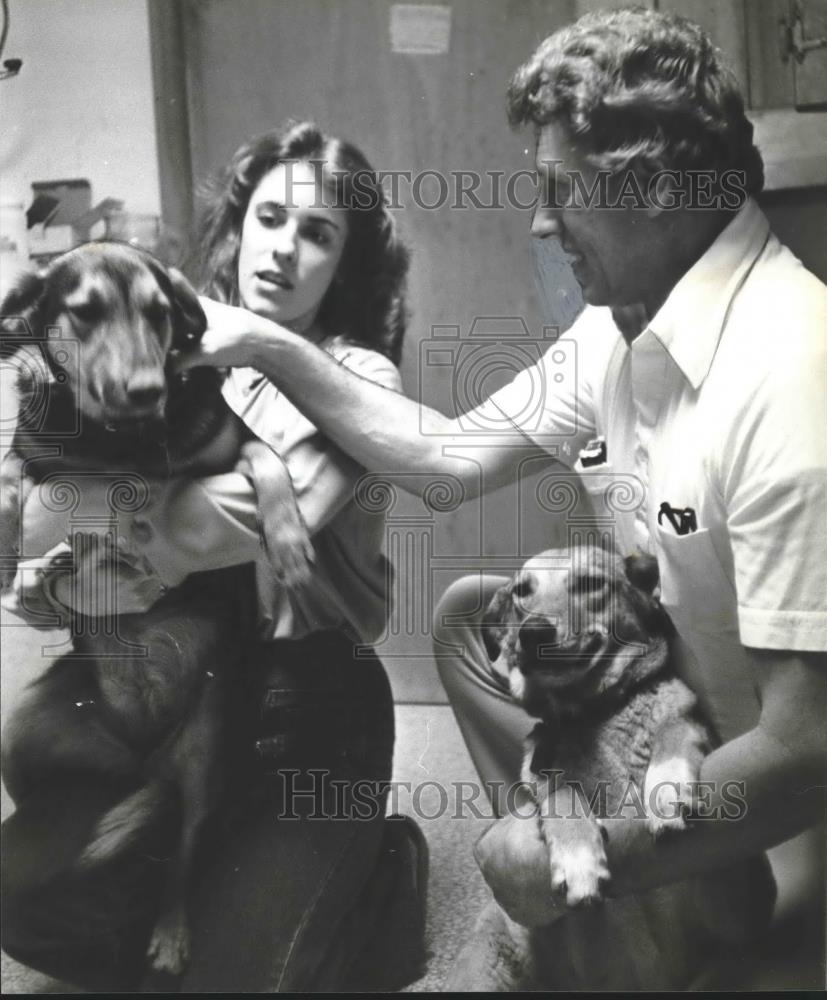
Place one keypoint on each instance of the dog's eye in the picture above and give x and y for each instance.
(156, 313)
(524, 585)
(588, 583)
(84, 312)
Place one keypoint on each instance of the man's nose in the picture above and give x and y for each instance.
(546, 222)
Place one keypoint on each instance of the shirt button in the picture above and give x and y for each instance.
(141, 531)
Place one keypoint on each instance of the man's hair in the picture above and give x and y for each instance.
(640, 90)
(366, 300)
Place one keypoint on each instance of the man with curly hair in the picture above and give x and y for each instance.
(701, 365)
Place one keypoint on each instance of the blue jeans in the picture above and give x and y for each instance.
(284, 873)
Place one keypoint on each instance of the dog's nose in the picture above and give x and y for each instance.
(536, 632)
(144, 390)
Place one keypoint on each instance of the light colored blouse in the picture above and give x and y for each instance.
(130, 539)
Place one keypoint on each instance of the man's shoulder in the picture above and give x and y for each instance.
(773, 333)
(781, 290)
(770, 368)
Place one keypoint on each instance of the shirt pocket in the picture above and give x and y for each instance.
(594, 480)
(695, 590)
(701, 600)
(613, 497)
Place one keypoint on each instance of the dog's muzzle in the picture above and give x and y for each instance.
(543, 650)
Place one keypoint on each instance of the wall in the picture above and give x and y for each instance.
(82, 105)
(799, 219)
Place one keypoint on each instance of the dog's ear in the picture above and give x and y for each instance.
(18, 312)
(642, 571)
(189, 320)
(493, 624)
(492, 635)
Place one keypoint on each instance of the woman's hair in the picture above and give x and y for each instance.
(640, 90)
(366, 300)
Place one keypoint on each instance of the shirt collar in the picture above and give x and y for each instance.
(690, 322)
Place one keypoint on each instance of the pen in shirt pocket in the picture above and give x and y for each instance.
(683, 519)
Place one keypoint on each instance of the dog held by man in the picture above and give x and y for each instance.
(586, 648)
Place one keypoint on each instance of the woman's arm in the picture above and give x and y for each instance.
(766, 786)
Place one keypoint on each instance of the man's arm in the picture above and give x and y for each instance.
(384, 431)
(767, 785)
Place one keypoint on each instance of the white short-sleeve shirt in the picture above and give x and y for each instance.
(720, 405)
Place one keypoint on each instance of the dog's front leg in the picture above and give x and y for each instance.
(192, 761)
(678, 748)
(577, 856)
(283, 531)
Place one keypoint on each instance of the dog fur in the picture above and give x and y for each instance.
(586, 647)
(159, 715)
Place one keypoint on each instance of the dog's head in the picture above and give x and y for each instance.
(106, 317)
(575, 627)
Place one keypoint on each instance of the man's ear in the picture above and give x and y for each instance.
(664, 193)
(18, 312)
(642, 571)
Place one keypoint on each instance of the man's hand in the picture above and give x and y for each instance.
(514, 861)
(229, 338)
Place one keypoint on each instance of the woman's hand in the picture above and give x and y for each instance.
(514, 860)
(229, 339)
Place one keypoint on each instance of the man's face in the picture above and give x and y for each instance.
(611, 248)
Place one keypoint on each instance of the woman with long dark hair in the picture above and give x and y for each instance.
(297, 231)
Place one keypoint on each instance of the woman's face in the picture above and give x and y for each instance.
(292, 240)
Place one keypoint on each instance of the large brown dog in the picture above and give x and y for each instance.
(96, 331)
(586, 647)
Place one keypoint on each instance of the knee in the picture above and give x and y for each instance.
(459, 602)
(460, 610)
(459, 651)
(22, 890)
(18, 753)
(17, 935)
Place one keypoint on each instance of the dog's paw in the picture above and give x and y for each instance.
(667, 796)
(289, 550)
(578, 863)
(169, 947)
